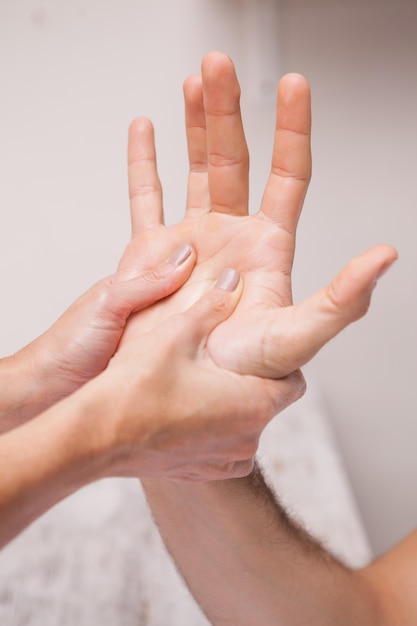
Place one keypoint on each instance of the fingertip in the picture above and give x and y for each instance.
(214, 61)
(373, 264)
(351, 290)
(222, 299)
(228, 279)
(387, 257)
(194, 104)
(218, 71)
(216, 305)
(294, 80)
(140, 125)
(181, 254)
(192, 86)
(294, 89)
(294, 103)
(298, 384)
(141, 141)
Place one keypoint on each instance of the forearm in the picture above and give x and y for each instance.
(246, 563)
(23, 390)
(46, 460)
(30, 383)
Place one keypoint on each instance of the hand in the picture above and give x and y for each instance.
(168, 411)
(81, 342)
(162, 408)
(267, 335)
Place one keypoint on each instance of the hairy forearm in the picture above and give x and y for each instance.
(247, 563)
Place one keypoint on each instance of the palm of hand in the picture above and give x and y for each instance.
(266, 335)
(217, 223)
(254, 245)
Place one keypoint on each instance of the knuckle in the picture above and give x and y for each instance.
(156, 275)
(221, 160)
(104, 293)
(244, 468)
(252, 448)
(219, 302)
(349, 308)
(248, 444)
(298, 385)
(333, 298)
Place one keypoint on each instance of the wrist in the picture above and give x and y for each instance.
(113, 425)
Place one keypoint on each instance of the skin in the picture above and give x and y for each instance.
(161, 408)
(225, 367)
(81, 342)
(238, 527)
(267, 335)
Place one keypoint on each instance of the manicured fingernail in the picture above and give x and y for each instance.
(181, 254)
(228, 279)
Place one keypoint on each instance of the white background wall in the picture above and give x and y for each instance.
(73, 75)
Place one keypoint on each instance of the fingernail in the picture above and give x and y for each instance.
(181, 254)
(228, 279)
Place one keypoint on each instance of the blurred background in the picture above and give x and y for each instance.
(74, 74)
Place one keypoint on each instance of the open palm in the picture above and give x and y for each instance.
(267, 335)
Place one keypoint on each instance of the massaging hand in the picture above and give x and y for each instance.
(168, 411)
(267, 335)
(161, 409)
(81, 342)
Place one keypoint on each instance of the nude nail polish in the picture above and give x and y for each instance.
(180, 255)
(228, 279)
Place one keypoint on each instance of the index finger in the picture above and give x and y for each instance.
(145, 191)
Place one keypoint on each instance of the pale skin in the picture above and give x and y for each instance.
(244, 560)
(113, 425)
(161, 408)
(133, 432)
(267, 335)
(81, 342)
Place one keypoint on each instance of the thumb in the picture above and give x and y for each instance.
(322, 316)
(213, 307)
(152, 285)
